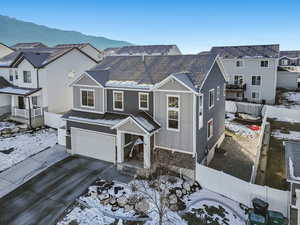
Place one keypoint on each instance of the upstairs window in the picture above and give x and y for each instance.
(238, 80)
(173, 110)
(200, 111)
(26, 76)
(11, 75)
(210, 129)
(211, 101)
(218, 93)
(87, 98)
(144, 101)
(239, 63)
(118, 99)
(264, 63)
(16, 74)
(256, 80)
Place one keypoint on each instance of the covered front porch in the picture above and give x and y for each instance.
(135, 141)
(26, 105)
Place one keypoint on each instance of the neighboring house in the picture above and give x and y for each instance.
(28, 45)
(136, 110)
(251, 72)
(5, 50)
(139, 50)
(89, 49)
(288, 75)
(39, 81)
(5, 100)
(292, 164)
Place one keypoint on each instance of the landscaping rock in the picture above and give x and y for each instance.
(103, 196)
(174, 207)
(15, 130)
(114, 208)
(122, 201)
(128, 208)
(178, 193)
(113, 201)
(186, 186)
(142, 206)
(173, 199)
(184, 192)
(6, 131)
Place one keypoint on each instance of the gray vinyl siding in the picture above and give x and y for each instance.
(131, 127)
(131, 102)
(183, 139)
(99, 104)
(217, 113)
(288, 80)
(173, 85)
(85, 80)
(87, 126)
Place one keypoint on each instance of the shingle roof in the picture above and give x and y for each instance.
(79, 45)
(251, 51)
(146, 121)
(292, 160)
(38, 57)
(140, 49)
(29, 45)
(4, 82)
(108, 119)
(290, 54)
(154, 69)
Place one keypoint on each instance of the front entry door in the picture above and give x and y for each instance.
(21, 102)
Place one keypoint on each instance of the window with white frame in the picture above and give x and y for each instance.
(238, 79)
(87, 98)
(264, 63)
(218, 93)
(210, 129)
(239, 63)
(34, 100)
(144, 101)
(256, 80)
(26, 76)
(255, 95)
(173, 110)
(16, 74)
(200, 111)
(211, 101)
(118, 100)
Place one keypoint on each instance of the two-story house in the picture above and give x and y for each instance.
(139, 50)
(131, 110)
(288, 75)
(39, 81)
(251, 72)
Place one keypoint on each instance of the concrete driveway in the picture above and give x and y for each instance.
(44, 198)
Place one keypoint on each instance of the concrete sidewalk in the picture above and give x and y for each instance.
(17, 175)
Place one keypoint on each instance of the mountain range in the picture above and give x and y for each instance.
(14, 31)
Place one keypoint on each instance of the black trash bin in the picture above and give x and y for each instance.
(260, 206)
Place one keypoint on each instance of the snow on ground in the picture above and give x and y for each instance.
(98, 214)
(25, 145)
(291, 100)
(4, 125)
(238, 128)
(291, 135)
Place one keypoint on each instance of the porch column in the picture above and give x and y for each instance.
(120, 144)
(147, 151)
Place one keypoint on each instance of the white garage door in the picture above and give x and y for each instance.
(93, 144)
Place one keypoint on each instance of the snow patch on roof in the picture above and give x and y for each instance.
(101, 121)
(15, 90)
(127, 84)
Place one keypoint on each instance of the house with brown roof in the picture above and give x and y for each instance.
(39, 81)
(135, 111)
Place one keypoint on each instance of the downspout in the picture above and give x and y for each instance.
(37, 78)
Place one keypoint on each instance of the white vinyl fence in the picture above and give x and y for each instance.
(281, 114)
(53, 120)
(243, 107)
(241, 191)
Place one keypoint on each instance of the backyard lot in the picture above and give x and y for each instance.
(288, 99)
(237, 153)
(16, 147)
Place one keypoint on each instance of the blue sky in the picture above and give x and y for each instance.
(193, 25)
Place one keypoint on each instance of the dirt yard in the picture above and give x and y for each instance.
(236, 156)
